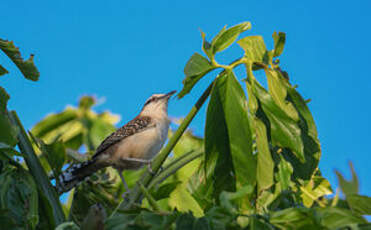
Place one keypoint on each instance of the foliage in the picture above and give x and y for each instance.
(255, 168)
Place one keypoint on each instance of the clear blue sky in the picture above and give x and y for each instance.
(124, 51)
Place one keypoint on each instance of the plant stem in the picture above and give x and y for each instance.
(37, 170)
(135, 194)
(173, 166)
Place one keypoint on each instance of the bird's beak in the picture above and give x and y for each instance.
(168, 95)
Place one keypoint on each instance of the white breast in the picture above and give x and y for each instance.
(145, 144)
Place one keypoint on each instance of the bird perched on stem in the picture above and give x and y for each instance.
(129, 147)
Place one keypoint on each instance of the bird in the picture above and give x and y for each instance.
(128, 148)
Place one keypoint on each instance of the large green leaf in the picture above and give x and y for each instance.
(348, 187)
(3, 71)
(284, 173)
(359, 204)
(196, 67)
(27, 67)
(265, 164)
(19, 196)
(284, 131)
(227, 147)
(227, 36)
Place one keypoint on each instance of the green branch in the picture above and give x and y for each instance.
(37, 170)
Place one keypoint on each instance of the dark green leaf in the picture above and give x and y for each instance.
(3, 71)
(226, 37)
(360, 204)
(196, 67)
(55, 154)
(279, 43)
(227, 147)
(4, 97)
(27, 67)
(284, 131)
(259, 224)
(348, 187)
(265, 164)
(18, 195)
(164, 190)
(95, 218)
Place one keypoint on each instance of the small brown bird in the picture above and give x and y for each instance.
(129, 147)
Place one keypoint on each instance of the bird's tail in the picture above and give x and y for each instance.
(77, 173)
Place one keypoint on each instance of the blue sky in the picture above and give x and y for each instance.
(123, 51)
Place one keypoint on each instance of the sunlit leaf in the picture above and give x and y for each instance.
(315, 189)
(278, 90)
(228, 146)
(284, 173)
(196, 67)
(265, 165)
(227, 36)
(255, 50)
(27, 67)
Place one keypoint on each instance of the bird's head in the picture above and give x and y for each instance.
(157, 104)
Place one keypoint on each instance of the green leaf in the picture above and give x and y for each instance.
(27, 67)
(3, 71)
(164, 190)
(278, 90)
(4, 97)
(188, 222)
(98, 130)
(55, 154)
(309, 136)
(95, 218)
(335, 218)
(228, 149)
(285, 171)
(206, 47)
(348, 187)
(226, 37)
(359, 204)
(255, 50)
(295, 218)
(196, 67)
(67, 226)
(315, 189)
(284, 131)
(18, 195)
(265, 164)
(279, 43)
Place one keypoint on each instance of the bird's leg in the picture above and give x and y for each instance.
(125, 185)
(145, 161)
